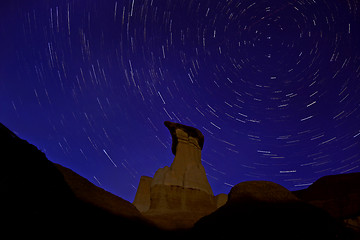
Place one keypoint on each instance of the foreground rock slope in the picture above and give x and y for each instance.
(339, 195)
(44, 200)
(266, 210)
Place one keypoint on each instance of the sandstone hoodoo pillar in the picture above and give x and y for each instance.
(180, 194)
(186, 170)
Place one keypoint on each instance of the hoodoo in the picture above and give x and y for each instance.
(179, 195)
(186, 170)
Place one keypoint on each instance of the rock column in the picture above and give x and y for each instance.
(179, 195)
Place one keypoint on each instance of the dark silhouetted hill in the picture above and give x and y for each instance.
(265, 210)
(41, 199)
(339, 195)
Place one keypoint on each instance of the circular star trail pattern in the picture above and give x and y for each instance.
(273, 85)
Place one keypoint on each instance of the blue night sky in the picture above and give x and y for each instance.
(274, 86)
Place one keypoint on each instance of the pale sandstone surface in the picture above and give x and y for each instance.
(221, 199)
(142, 197)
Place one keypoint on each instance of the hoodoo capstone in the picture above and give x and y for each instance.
(191, 131)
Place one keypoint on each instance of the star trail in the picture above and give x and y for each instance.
(274, 86)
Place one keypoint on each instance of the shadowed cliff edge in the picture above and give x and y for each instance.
(47, 200)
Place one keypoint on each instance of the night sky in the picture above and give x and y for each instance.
(273, 85)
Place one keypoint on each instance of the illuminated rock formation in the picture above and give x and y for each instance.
(186, 170)
(178, 195)
(221, 199)
(142, 197)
